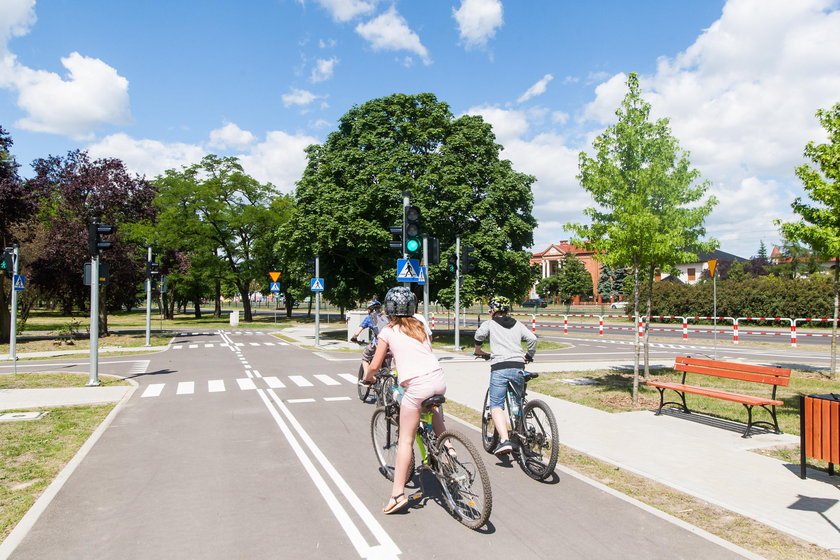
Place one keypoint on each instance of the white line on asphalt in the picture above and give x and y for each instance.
(208, 345)
(386, 548)
(295, 401)
(153, 390)
(326, 379)
(185, 388)
(331, 359)
(257, 374)
(274, 383)
(300, 381)
(193, 346)
(268, 343)
(349, 377)
(215, 385)
(330, 399)
(246, 383)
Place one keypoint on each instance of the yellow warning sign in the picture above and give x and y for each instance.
(274, 276)
(712, 264)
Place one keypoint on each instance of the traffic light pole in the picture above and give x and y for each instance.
(458, 293)
(317, 304)
(13, 326)
(148, 298)
(93, 381)
(426, 283)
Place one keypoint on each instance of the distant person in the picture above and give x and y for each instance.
(375, 321)
(507, 361)
(419, 374)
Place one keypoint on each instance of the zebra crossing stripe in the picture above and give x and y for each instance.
(268, 343)
(246, 383)
(300, 400)
(300, 381)
(216, 385)
(274, 383)
(208, 345)
(153, 390)
(185, 388)
(331, 399)
(326, 379)
(178, 347)
(348, 377)
(254, 343)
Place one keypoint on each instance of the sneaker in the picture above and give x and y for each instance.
(503, 448)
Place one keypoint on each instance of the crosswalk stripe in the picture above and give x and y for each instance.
(185, 388)
(268, 343)
(216, 385)
(326, 379)
(208, 345)
(274, 383)
(300, 400)
(178, 347)
(193, 346)
(246, 383)
(349, 377)
(153, 390)
(300, 381)
(330, 399)
(254, 343)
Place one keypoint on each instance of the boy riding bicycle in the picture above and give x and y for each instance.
(375, 321)
(507, 361)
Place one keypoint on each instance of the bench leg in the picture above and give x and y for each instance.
(749, 421)
(662, 402)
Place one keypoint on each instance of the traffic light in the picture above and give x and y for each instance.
(467, 259)
(7, 265)
(411, 225)
(452, 263)
(310, 267)
(396, 237)
(434, 251)
(152, 270)
(95, 231)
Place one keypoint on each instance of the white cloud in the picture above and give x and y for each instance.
(16, 18)
(279, 159)
(478, 21)
(345, 10)
(299, 97)
(537, 89)
(230, 136)
(146, 157)
(323, 69)
(390, 32)
(507, 125)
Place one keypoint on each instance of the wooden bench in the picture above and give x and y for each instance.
(774, 376)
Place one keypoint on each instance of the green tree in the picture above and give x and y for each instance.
(574, 279)
(611, 282)
(222, 218)
(351, 192)
(651, 206)
(819, 226)
(549, 287)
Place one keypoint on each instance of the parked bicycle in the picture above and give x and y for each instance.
(450, 456)
(533, 430)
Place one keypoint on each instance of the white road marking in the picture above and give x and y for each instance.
(330, 399)
(185, 388)
(216, 385)
(254, 343)
(153, 390)
(178, 347)
(268, 343)
(326, 379)
(274, 383)
(208, 345)
(300, 400)
(349, 377)
(193, 346)
(300, 381)
(257, 374)
(246, 383)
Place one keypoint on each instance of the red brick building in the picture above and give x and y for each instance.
(551, 260)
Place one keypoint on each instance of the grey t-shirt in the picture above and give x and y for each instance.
(506, 335)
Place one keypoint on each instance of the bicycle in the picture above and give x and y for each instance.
(533, 430)
(365, 389)
(450, 456)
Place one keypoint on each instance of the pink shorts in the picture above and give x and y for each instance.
(420, 388)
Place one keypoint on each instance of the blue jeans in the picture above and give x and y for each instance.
(498, 385)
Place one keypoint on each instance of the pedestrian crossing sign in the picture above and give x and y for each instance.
(316, 284)
(421, 279)
(275, 287)
(408, 270)
(19, 282)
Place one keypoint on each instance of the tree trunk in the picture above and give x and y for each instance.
(103, 311)
(636, 344)
(217, 309)
(651, 270)
(833, 372)
(248, 316)
(5, 314)
(197, 305)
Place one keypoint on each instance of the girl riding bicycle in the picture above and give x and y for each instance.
(508, 361)
(420, 374)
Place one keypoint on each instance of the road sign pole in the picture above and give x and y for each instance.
(93, 381)
(13, 330)
(149, 300)
(457, 292)
(426, 281)
(317, 304)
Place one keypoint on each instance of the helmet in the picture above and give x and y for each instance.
(374, 305)
(499, 303)
(400, 302)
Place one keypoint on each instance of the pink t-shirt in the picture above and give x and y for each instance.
(412, 357)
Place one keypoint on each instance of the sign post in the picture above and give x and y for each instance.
(275, 289)
(712, 265)
(148, 298)
(93, 380)
(318, 287)
(13, 330)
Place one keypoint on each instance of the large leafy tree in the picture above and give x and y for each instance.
(70, 191)
(611, 282)
(223, 218)
(650, 201)
(819, 226)
(575, 280)
(351, 192)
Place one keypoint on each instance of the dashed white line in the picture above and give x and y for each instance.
(216, 385)
(300, 381)
(274, 383)
(326, 379)
(185, 388)
(246, 383)
(153, 390)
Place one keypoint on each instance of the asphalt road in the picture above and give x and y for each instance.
(234, 448)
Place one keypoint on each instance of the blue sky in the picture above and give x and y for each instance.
(161, 83)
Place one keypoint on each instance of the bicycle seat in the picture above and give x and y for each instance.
(529, 375)
(433, 401)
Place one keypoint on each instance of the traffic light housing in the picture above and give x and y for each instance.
(433, 256)
(396, 237)
(452, 263)
(95, 233)
(7, 265)
(467, 259)
(413, 237)
(310, 267)
(152, 270)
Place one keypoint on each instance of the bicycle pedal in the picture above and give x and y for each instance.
(416, 496)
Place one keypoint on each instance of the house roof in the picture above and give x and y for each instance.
(562, 248)
(719, 255)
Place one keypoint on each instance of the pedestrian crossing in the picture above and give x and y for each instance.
(154, 390)
(193, 346)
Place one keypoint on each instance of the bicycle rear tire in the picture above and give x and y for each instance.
(364, 390)
(539, 447)
(463, 479)
(385, 391)
(489, 435)
(384, 433)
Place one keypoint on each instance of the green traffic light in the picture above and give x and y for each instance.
(412, 245)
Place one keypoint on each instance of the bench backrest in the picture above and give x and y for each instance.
(732, 370)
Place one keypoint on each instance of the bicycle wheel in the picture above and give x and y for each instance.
(489, 437)
(364, 390)
(385, 431)
(538, 447)
(384, 392)
(463, 479)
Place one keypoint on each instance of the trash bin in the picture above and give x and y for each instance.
(354, 319)
(234, 318)
(819, 429)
